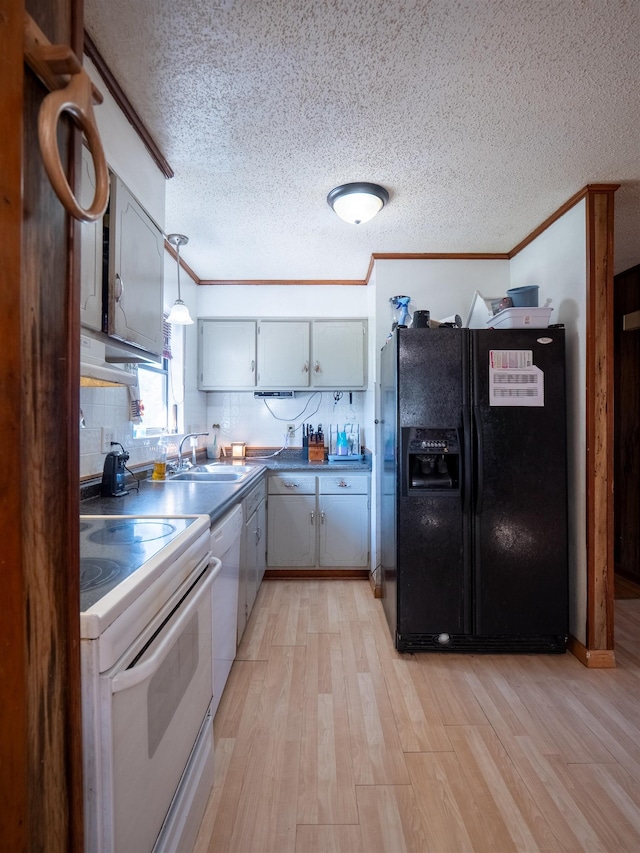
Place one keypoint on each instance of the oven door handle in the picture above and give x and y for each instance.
(136, 675)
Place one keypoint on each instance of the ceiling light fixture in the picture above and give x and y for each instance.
(179, 314)
(359, 202)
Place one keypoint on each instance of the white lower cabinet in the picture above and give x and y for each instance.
(318, 521)
(253, 553)
(344, 530)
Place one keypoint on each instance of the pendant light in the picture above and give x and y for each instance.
(359, 202)
(179, 314)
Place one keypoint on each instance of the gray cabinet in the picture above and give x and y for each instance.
(226, 355)
(339, 354)
(282, 354)
(343, 532)
(253, 553)
(135, 273)
(132, 313)
(318, 521)
(291, 520)
(90, 250)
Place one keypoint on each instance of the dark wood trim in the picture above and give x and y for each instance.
(316, 574)
(376, 586)
(285, 282)
(583, 193)
(440, 256)
(599, 418)
(73, 697)
(388, 256)
(125, 105)
(592, 658)
(169, 248)
(13, 658)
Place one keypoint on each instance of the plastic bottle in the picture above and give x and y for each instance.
(213, 449)
(342, 447)
(160, 460)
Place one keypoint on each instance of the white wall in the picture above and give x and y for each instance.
(443, 287)
(274, 300)
(557, 262)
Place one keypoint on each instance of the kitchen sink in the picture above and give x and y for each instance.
(214, 474)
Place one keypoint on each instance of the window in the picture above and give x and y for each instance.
(152, 382)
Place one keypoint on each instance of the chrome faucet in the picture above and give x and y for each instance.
(193, 449)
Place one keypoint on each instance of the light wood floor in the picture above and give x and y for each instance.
(328, 740)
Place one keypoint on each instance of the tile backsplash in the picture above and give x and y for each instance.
(241, 418)
(263, 422)
(109, 408)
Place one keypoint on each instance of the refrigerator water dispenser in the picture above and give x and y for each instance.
(432, 460)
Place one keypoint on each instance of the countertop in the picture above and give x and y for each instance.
(160, 498)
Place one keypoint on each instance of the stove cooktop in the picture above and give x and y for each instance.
(113, 547)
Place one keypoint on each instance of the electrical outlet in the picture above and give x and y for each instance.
(291, 430)
(108, 435)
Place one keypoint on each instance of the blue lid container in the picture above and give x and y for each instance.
(524, 297)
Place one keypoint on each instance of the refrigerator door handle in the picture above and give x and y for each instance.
(479, 458)
(465, 459)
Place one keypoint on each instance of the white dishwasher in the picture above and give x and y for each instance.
(225, 545)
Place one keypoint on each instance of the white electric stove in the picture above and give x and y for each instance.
(147, 679)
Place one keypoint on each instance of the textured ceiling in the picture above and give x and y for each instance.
(480, 117)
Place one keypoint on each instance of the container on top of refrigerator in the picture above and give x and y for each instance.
(481, 310)
(520, 318)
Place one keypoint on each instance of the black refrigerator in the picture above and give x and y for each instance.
(473, 486)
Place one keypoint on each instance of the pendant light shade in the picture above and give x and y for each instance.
(359, 202)
(179, 314)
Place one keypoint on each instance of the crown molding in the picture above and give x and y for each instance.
(125, 105)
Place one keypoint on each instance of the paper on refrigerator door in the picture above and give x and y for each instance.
(514, 380)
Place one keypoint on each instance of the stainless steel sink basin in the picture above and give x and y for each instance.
(213, 474)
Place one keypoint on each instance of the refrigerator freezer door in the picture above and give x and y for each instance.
(432, 532)
(520, 501)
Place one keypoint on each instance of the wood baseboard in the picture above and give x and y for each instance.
(316, 574)
(376, 587)
(592, 658)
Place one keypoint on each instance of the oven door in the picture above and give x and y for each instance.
(155, 700)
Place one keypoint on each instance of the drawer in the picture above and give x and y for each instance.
(252, 501)
(292, 484)
(343, 483)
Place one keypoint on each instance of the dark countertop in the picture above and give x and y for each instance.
(158, 498)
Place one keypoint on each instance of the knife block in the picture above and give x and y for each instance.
(316, 451)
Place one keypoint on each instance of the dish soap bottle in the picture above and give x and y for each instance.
(160, 460)
(213, 449)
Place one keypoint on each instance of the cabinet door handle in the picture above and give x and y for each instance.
(322, 518)
(290, 485)
(305, 369)
(316, 367)
(343, 485)
(313, 517)
(119, 288)
(253, 365)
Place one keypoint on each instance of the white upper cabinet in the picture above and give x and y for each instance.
(339, 354)
(283, 354)
(136, 272)
(90, 250)
(226, 354)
